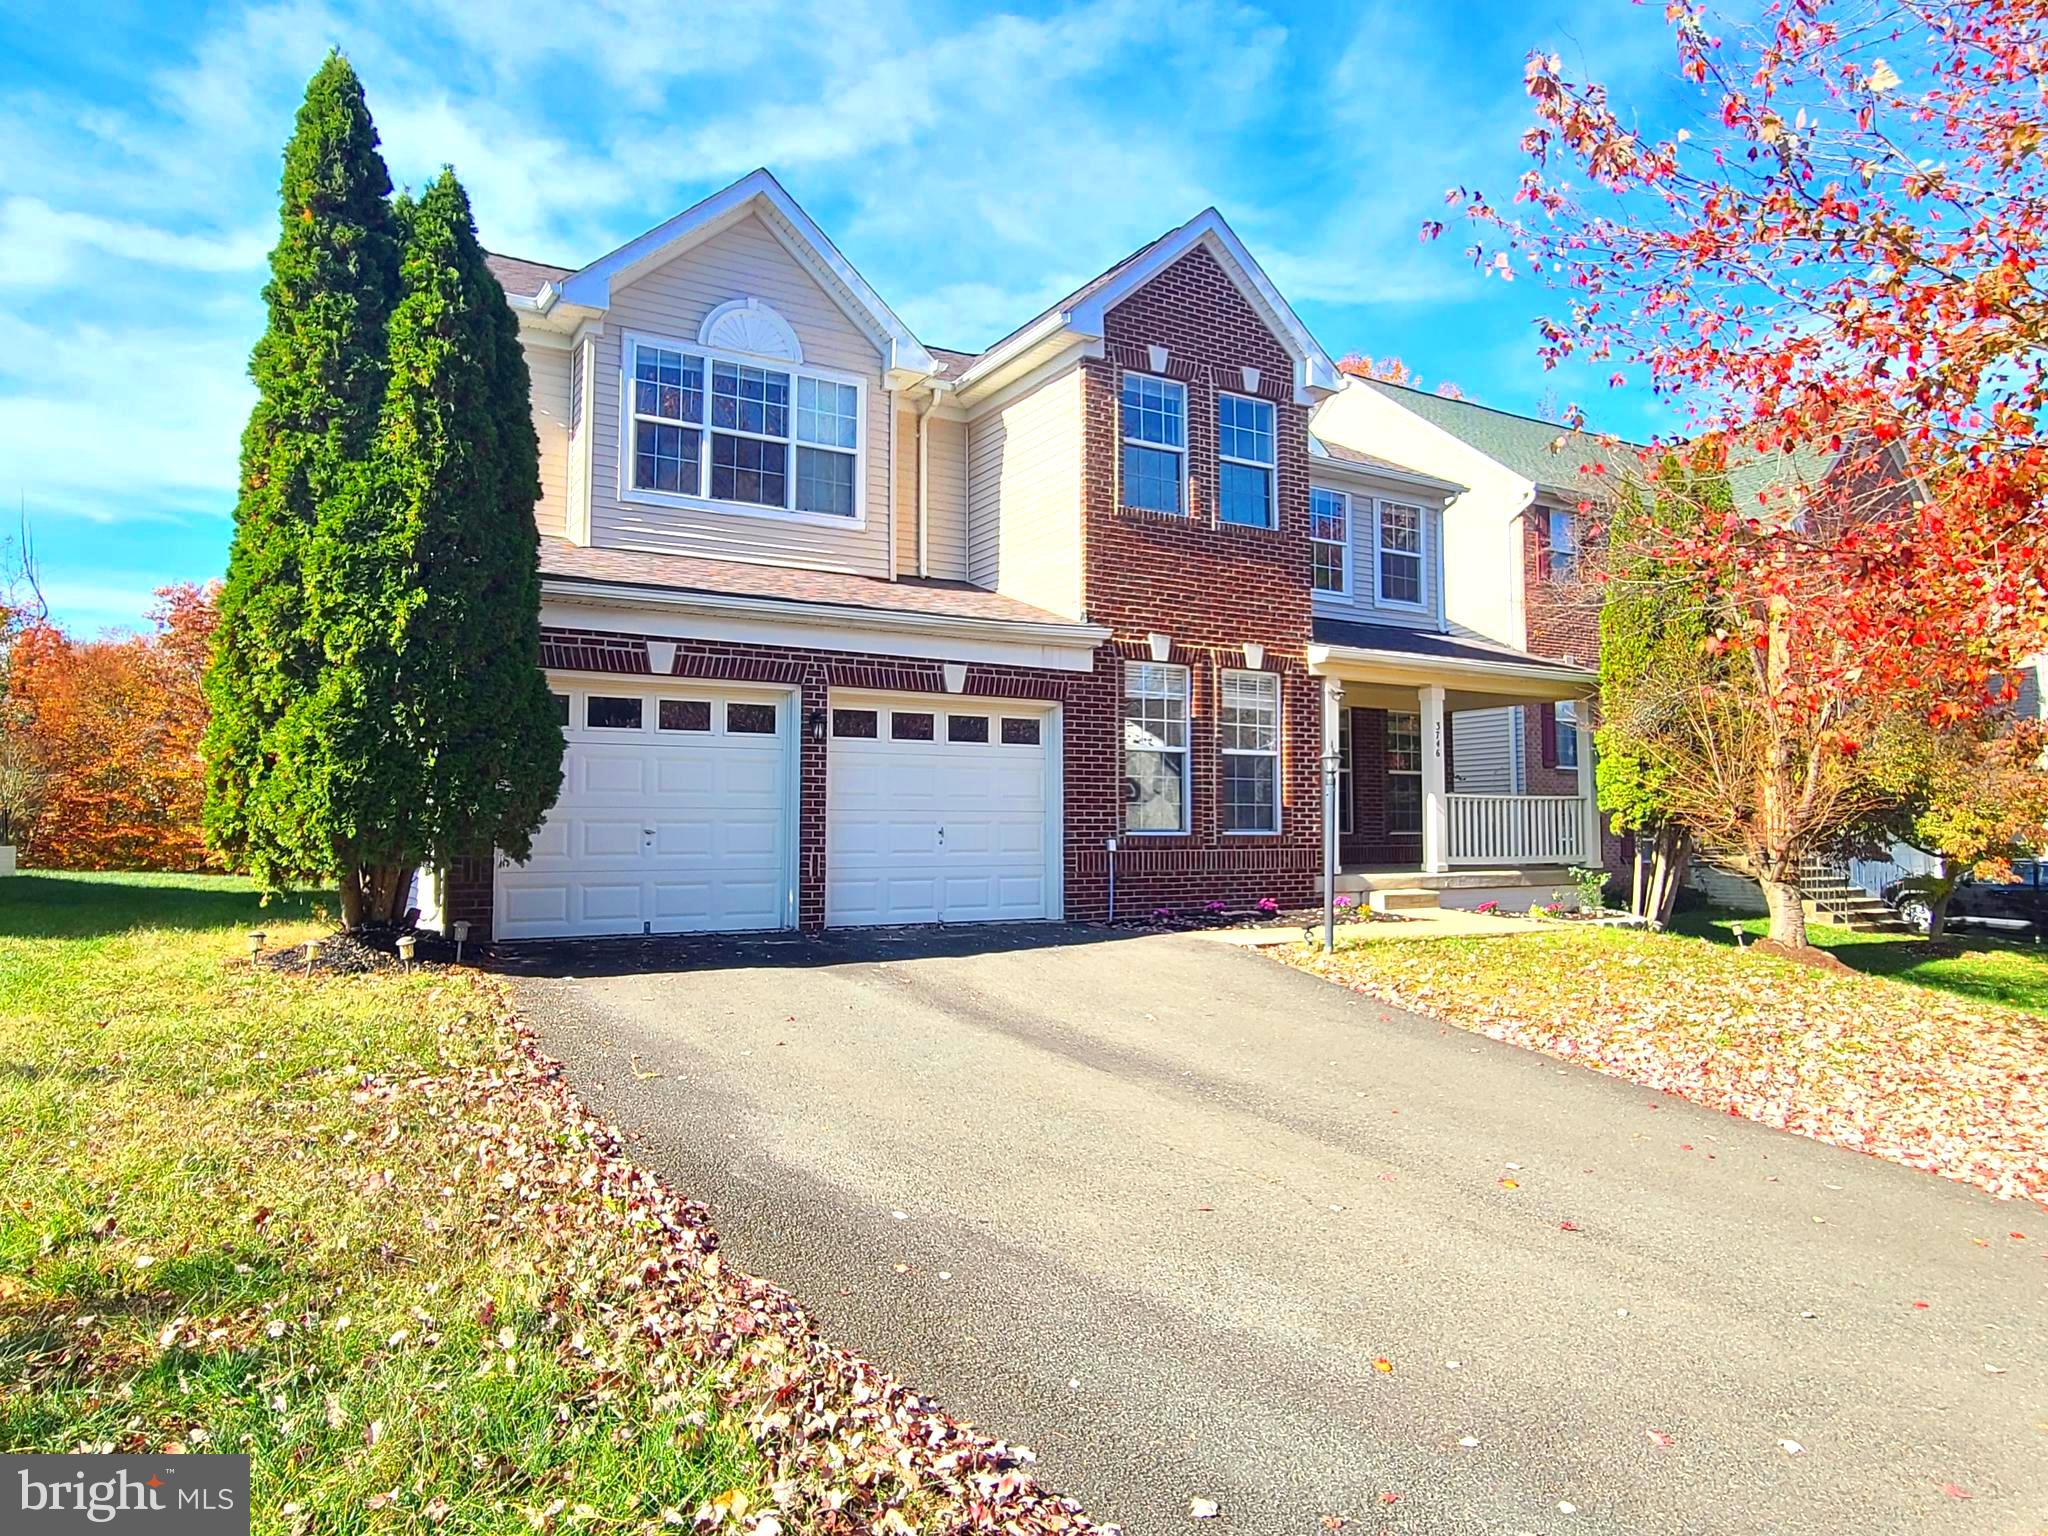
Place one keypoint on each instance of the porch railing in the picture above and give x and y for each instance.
(1517, 829)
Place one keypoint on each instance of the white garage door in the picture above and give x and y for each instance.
(674, 816)
(938, 812)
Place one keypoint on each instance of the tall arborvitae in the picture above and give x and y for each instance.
(432, 732)
(319, 372)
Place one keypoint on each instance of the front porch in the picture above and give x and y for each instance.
(1456, 772)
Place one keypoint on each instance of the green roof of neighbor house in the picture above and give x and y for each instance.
(1562, 460)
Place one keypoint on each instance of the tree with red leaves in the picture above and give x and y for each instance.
(112, 727)
(1832, 268)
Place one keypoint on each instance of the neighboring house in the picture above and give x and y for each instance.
(847, 630)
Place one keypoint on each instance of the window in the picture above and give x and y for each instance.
(1020, 731)
(1400, 551)
(1155, 417)
(1344, 779)
(750, 719)
(1329, 534)
(1567, 733)
(683, 715)
(668, 415)
(854, 723)
(561, 707)
(967, 727)
(1155, 747)
(1244, 472)
(906, 726)
(1564, 544)
(607, 712)
(1248, 732)
(779, 438)
(1404, 774)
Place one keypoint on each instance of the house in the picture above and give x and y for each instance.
(848, 629)
(1512, 540)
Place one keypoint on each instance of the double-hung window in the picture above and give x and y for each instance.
(1400, 554)
(719, 429)
(1329, 540)
(1564, 544)
(1154, 425)
(1244, 470)
(1404, 774)
(1248, 735)
(1567, 727)
(1155, 747)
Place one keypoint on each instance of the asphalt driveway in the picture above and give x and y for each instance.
(1194, 1225)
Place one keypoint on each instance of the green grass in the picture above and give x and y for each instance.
(198, 1247)
(1982, 969)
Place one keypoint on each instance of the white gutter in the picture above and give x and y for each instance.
(1084, 636)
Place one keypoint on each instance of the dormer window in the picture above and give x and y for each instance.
(747, 435)
(1244, 450)
(1155, 437)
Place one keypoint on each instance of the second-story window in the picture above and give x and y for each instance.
(1564, 544)
(1329, 540)
(779, 438)
(1244, 450)
(1400, 554)
(1155, 436)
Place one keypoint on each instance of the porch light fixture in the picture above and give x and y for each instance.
(1254, 655)
(814, 725)
(1162, 645)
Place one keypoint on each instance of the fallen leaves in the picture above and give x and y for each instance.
(1904, 1073)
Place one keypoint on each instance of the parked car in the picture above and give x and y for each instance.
(2017, 906)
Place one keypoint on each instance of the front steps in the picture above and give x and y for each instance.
(1849, 906)
(1410, 899)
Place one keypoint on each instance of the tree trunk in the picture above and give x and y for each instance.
(1674, 854)
(1635, 890)
(1788, 913)
(351, 900)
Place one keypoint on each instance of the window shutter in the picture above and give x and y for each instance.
(1547, 721)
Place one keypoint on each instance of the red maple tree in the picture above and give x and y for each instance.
(1829, 264)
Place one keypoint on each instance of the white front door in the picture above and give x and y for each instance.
(940, 810)
(674, 815)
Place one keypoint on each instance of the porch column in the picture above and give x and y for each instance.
(1582, 726)
(1436, 811)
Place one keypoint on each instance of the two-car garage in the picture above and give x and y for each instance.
(681, 805)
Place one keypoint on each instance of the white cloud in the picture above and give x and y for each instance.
(41, 245)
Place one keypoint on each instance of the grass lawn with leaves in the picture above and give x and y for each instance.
(1970, 964)
(1887, 1067)
(359, 1229)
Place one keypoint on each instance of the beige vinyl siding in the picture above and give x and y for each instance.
(1362, 601)
(906, 493)
(548, 370)
(946, 503)
(1023, 466)
(744, 261)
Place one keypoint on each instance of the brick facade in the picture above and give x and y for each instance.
(1211, 586)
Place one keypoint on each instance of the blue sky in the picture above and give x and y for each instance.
(973, 163)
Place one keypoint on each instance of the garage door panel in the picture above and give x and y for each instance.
(659, 831)
(935, 830)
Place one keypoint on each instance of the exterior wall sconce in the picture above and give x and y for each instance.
(1162, 645)
(814, 725)
(1254, 655)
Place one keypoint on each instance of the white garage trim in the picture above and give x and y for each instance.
(572, 888)
(847, 903)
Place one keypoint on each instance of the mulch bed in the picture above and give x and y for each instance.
(358, 954)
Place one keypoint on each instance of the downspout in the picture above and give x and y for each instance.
(895, 452)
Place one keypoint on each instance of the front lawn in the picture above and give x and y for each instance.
(1932, 1081)
(1969, 964)
(358, 1228)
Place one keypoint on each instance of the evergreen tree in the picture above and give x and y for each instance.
(432, 732)
(319, 375)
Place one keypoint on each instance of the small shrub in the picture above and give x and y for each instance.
(1591, 884)
(1268, 906)
(1487, 908)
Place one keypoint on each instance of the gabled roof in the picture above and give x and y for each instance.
(1558, 460)
(1080, 314)
(758, 192)
(523, 279)
(1344, 457)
